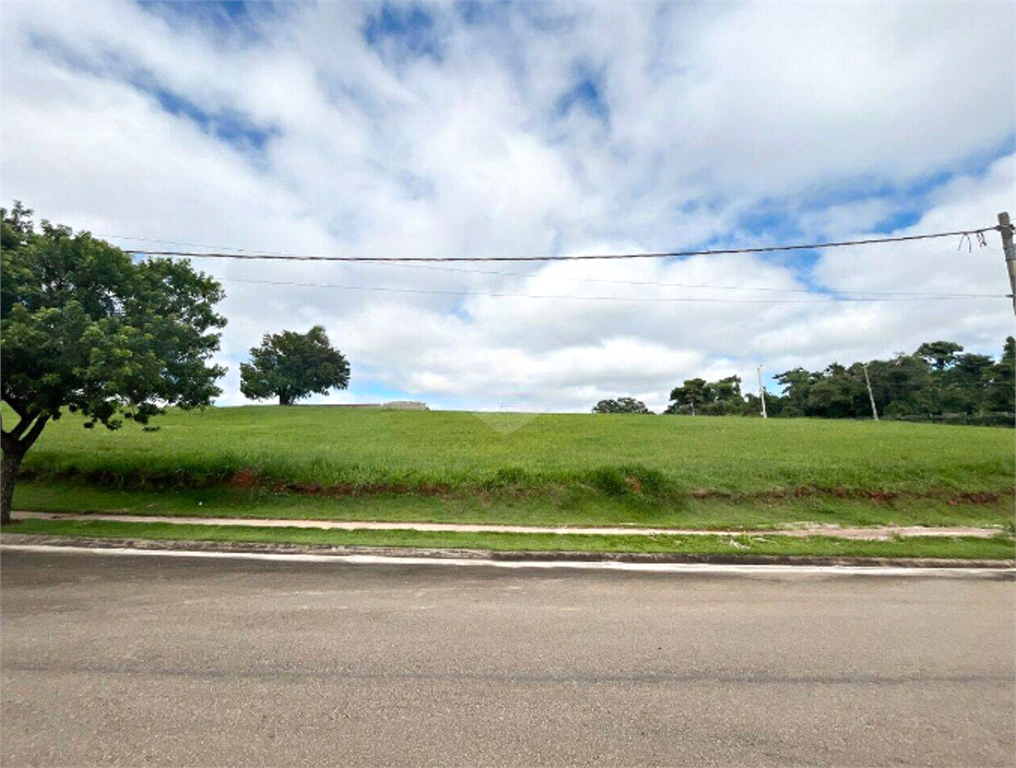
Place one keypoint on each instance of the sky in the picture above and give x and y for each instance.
(528, 129)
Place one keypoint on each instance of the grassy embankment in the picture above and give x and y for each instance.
(555, 469)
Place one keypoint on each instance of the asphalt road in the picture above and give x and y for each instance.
(125, 660)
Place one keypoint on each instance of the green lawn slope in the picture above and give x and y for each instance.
(561, 469)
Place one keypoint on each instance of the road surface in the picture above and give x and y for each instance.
(131, 660)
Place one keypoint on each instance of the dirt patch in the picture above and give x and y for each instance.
(620, 482)
(875, 496)
(243, 480)
(975, 497)
(881, 497)
(339, 490)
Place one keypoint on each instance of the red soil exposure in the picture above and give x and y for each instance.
(876, 496)
(244, 479)
(977, 497)
(368, 489)
(634, 483)
(249, 479)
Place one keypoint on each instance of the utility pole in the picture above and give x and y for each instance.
(1005, 229)
(874, 410)
(762, 393)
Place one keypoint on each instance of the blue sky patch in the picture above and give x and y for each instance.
(226, 125)
(104, 63)
(474, 12)
(232, 17)
(403, 31)
(585, 94)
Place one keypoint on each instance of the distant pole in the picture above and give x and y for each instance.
(874, 410)
(1005, 228)
(762, 393)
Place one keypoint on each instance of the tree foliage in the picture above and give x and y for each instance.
(621, 405)
(292, 365)
(85, 328)
(938, 378)
(717, 398)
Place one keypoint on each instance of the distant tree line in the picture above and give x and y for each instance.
(938, 378)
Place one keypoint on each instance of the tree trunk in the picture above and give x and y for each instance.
(9, 467)
(15, 444)
(285, 400)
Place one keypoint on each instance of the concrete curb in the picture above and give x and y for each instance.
(871, 533)
(178, 545)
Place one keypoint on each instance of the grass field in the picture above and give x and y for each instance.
(555, 469)
(328, 446)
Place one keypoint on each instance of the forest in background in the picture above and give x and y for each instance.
(938, 381)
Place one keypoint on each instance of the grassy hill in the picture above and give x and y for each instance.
(322, 461)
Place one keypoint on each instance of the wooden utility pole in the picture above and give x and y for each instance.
(762, 393)
(874, 410)
(1005, 228)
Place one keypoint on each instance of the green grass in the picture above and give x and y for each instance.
(997, 548)
(556, 507)
(613, 455)
(565, 469)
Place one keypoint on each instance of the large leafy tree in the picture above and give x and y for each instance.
(693, 394)
(1000, 385)
(621, 405)
(908, 385)
(939, 354)
(292, 365)
(716, 398)
(797, 384)
(86, 329)
(838, 393)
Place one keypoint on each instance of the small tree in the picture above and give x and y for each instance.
(85, 328)
(621, 405)
(291, 366)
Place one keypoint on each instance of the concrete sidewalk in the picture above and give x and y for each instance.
(882, 533)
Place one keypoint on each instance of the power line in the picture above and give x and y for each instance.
(618, 281)
(581, 257)
(659, 284)
(181, 242)
(693, 299)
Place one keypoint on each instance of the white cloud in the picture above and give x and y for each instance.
(711, 123)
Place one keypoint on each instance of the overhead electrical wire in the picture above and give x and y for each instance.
(693, 299)
(859, 294)
(258, 256)
(659, 284)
